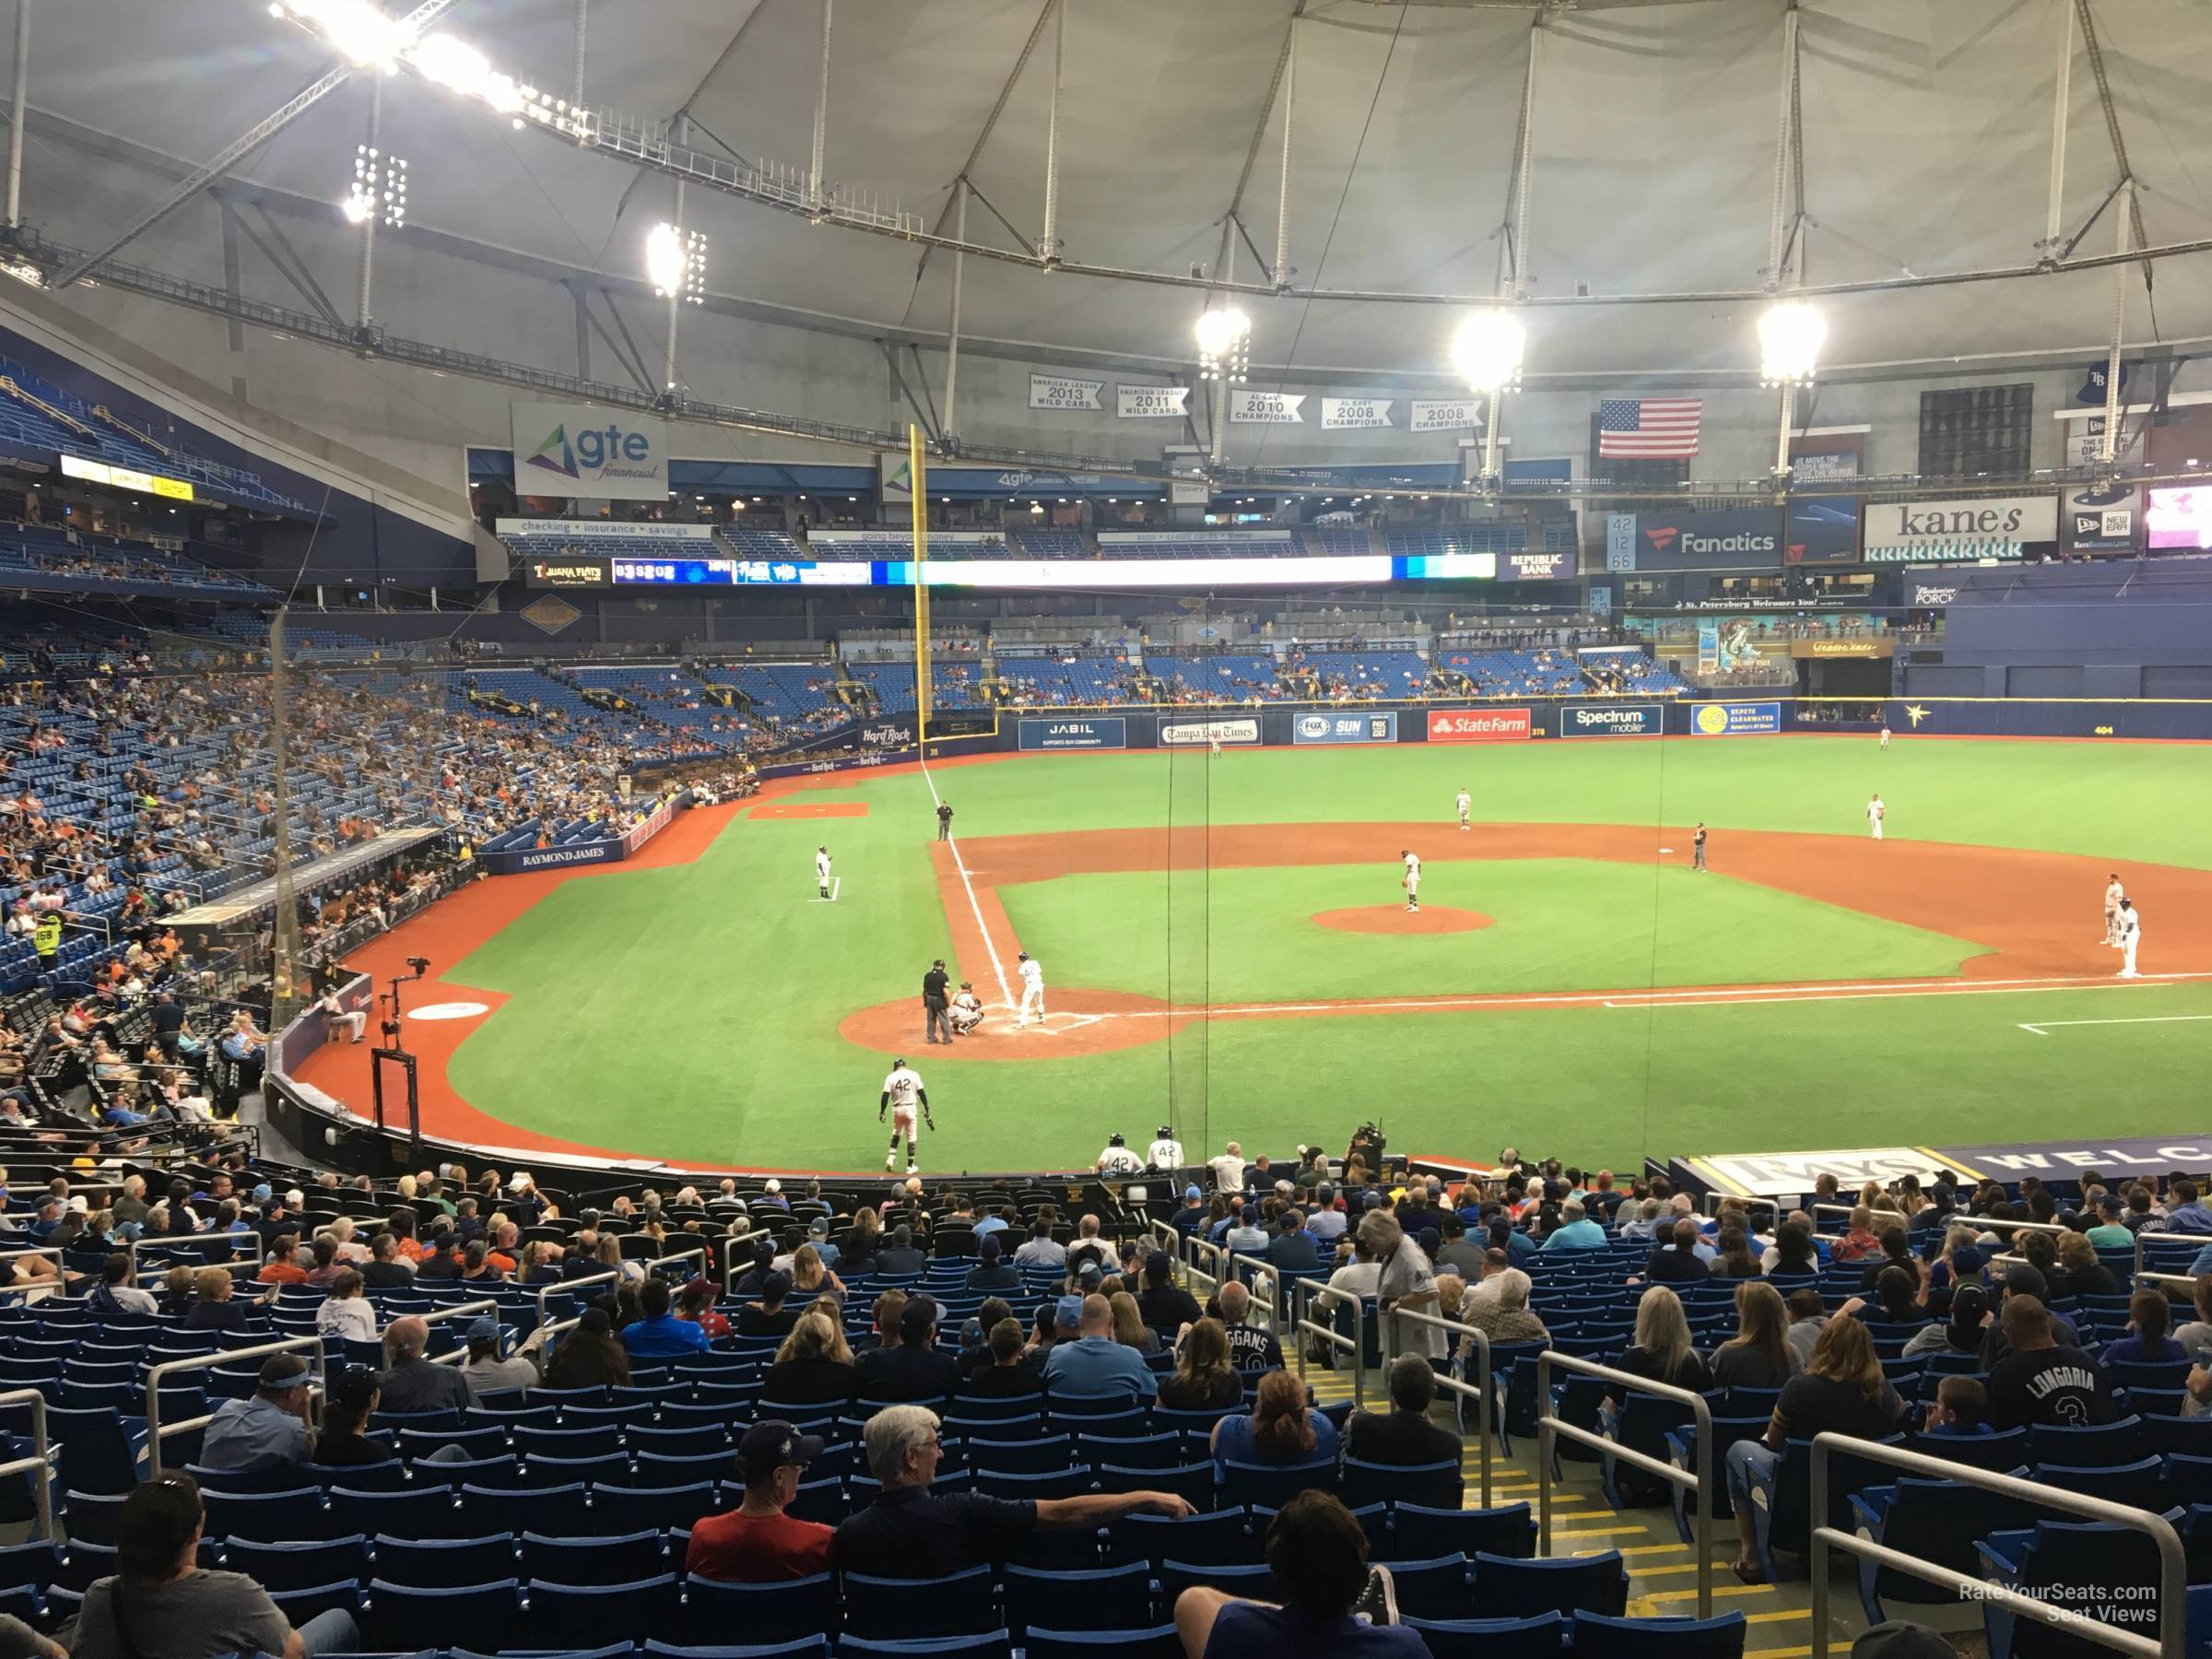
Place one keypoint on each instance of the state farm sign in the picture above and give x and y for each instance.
(1480, 725)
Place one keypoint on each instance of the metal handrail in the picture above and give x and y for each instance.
(1480, 1389)
(156, 1428)
(563, 1286)
(2174, 1570)
(1712, 1202)
(1194, 1246)
(1549, 1428)
(2199, 1239)
(1260, 1268)
(726, 1245)
(1321, 1290)
(680, 1255)
(455, 1356)
(41, 1458)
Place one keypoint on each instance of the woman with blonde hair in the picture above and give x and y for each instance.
(1662, 1350)
(1129, 1328)
(610, 1256)
(810, 1277)
(1756, 1356)
(1841, 1390)
(814, 1366)
(1281, 1429)
(1203, 1380)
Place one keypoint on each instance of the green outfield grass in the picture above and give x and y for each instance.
(691, 1012)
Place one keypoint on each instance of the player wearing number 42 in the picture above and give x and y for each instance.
(1411, 880)
(821, 869)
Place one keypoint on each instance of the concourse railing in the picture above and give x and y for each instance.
(1549, 1429)
(2200, 1239)
(1478, 1390)
(458, 1354)
(2174, 1568)
(157, 1431)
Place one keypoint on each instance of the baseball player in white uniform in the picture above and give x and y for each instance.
(1412, 879)
(1467, 808)
(2113, 893)
(1117, 1159)
(903, 1096)
(1165, 1152)
(1885, 733)
(966, 1010)
(821, 869)
(2131, 930)
(1033, 991)
(1875, 811)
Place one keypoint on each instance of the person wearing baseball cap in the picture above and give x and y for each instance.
(268, 1428)
(757, 1543)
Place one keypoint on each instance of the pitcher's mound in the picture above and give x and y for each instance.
(1398, 919)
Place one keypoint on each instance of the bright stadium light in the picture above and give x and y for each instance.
(1487, 350)
(1224, 344)
(453, 63)
(1791, 333)
(675, 263)
(380, 187)
(356, 30)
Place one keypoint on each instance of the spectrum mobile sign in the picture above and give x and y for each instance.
(1612, 719)
(584, 451)
(1481, 726)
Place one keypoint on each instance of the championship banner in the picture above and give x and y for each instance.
(1481, 726)
(563, 449)
(1451, 415)
(1734, 720)
(1247, 408)
(1061, 392)
(1150, 403)
(1338, 413)
(1189, 734)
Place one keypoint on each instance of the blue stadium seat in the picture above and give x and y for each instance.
(1437, 1588)
(613, 1560)
(1565, 1585)
(1540, 1637)
(1432, 1486)
(1101, 1598)
(1598, 1636)
(1936, 1520)
(960, 1604)
(788, 1611)
(1419, 1531)
(1159, 1643)
(587, 1616)
(1220, 1538)
(803, 1647)
(478, 1617)
(444, 1563)
(299, 1565)
(1275, 1485)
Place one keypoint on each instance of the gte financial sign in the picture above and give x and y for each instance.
(584, 451)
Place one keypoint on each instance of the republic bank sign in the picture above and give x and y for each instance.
(1991, 527)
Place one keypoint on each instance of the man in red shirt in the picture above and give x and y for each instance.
(757, 1543)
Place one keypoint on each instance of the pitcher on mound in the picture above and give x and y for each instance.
(1033, 991)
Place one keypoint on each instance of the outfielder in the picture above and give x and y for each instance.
(903, 1096)
(1467, 807)
(1875, 812)
(1411, 880)
(2131, 930)
(821, 869)
(1033, 991)
(1885, 733)
(2113, 893)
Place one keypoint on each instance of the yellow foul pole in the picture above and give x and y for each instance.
(920, 484)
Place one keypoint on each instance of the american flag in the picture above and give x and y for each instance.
(1648, 427)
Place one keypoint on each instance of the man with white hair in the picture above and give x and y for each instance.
(1502, 1314)
(910, 1531)
(410, 1383)
(1407, 1284)
(1576, 1231)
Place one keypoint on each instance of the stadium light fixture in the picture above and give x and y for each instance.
(379, 189)
(356, 29)
(1488, 350)
(675, 263)
(1791, 333)
(1224, 344)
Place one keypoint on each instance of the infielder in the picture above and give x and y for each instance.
(2131, 930)
(1467, 807)
(1697, 843)
(821, 869)
(903, 1096)
(1033, 991)
(2113, 893)
(1875, 811)
(1411, 880)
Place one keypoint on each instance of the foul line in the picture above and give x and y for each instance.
(952, 841)
(2044, 1030)
(1694, 998)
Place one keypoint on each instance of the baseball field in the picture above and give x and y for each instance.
(1225, 947)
